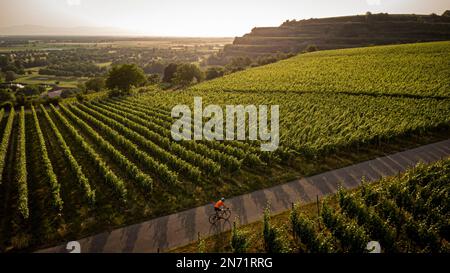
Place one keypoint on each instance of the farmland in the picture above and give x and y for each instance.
(408, 70)
(74, 169)
(66, 63)
(46, 43)
(312, 124)
(33, 77)
(405, 213)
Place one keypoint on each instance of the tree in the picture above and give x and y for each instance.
(67, 93)
(31, 90)
(154, 68)
(187, 73)
(95, 84)
(241, 62)
(14, 68)
(169, 72)
(214, 72)
(82, 87)
(7, 65)
(215, 60)
(311, 48)
(369, 17)
(4, 61)
(153, 78)
(124, 77)
(238, 63)
(10, 76)
(21, 100)
(268, 59)
(6, 96)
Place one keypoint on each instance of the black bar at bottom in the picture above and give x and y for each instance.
(224, 262)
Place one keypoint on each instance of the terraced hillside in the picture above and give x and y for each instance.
(341, 32)
(79, 168)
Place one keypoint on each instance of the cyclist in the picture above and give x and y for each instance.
(220, 205)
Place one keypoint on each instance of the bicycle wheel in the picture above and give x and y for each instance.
(226, 214)
(212, 219)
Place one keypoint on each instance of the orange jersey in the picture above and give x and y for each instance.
(219, 204)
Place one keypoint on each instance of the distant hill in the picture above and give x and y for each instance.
(34, 30)
(341, 32)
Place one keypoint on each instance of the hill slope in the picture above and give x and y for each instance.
(342, 32)
(413, 70)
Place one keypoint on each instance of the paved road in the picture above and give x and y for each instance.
(181, 228)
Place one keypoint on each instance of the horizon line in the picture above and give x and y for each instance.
(138, 34)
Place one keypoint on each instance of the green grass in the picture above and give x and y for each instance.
(413, 69)
(68, 82)
(107, 64)
(34, 70)
(35, 78)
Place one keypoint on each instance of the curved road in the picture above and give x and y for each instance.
(181, 228)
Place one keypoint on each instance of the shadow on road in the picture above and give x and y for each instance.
(220, 239)
(219, 227)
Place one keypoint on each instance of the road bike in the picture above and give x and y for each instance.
(223, 214)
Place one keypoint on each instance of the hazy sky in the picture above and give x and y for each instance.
(195, 17)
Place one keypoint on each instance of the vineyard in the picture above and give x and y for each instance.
(315, 124)
(406, 213)
(74, 169)
(71, 169)
(413, 70)
(409, 213)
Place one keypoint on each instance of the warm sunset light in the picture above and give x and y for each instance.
(232, 135)
(210, 18)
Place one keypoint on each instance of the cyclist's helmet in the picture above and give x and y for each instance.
(223, 199)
